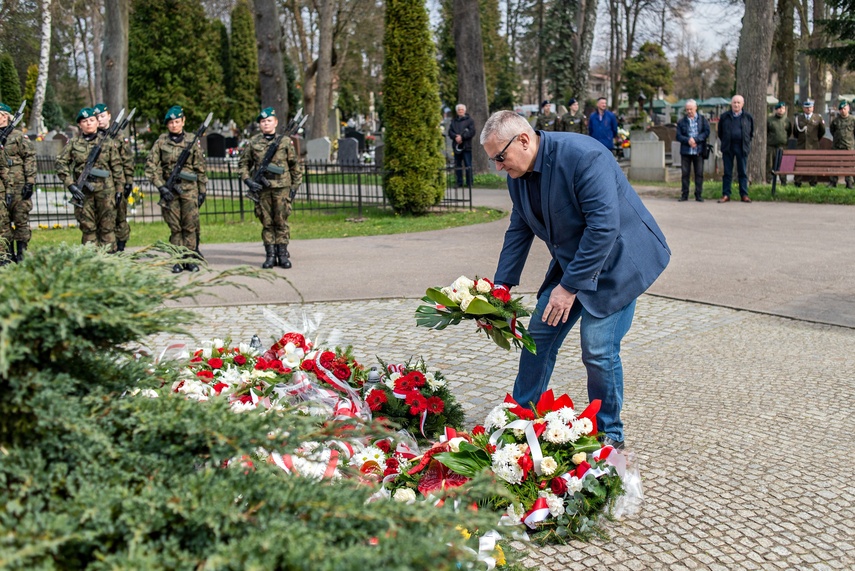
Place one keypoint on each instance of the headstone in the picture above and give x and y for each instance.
(318, 150)
(665, 133)
(647, 161)
(231, 142)
(49, 148)
(348, 152)
(675, 154)
(61, 137)
(353, 133)
(378, 154)
(216, 145)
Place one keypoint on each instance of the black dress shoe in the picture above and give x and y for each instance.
(683, 199)
(606, 441)
(699, 199)
(191, 267)
(177, 269)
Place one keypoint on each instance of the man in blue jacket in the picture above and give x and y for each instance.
(602, 125)
(693, 130)
(606, 250)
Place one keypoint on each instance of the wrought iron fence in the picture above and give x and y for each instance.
(326, 186)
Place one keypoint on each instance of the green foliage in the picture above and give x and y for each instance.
(561, 57)
(295, 94)
(52, 111)
(94, 477)
(10, 86)
(725, 78)
(647, 72)
(175, 65)
(245, 90)
(841, 50)
(413, 161)
(30, 91)
(224, 55)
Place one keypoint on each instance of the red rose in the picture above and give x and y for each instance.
(240, 360)
(341, 372)
(205, 376)
(478, 430)
(502, 294)
(384, 445)
(392, 463)
(245, 399)
(275, 364)
(326, 359)
(558, 486)
(308, 366)
(215, 363)
(435, 405)
(261, 364)
(417, 378)
(218, 388)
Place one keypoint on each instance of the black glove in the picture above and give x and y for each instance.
(27, 191)
(8, 201)
(253, 186)
(201, 199)
(165, 194)
(129, 187)
(119, 198)
(76, 196)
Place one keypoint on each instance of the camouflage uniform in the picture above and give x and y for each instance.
(546, 122)
(7, 253)
(843, 132)
(97, 217)
(808, 132)
(778, 131)
(19, 155)
(274, 205)
(573, 123)
(182, 213)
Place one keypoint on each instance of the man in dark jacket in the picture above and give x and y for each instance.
(693, 130)
(735, 131)
(460, 131)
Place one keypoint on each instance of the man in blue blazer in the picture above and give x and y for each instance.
(568, 190)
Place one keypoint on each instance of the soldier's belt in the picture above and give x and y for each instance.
(188, 176)
(99, 173)
(277, 170)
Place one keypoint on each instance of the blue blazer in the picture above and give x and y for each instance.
(604, 242)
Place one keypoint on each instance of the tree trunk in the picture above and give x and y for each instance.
(586, 22)
(83, 30)
(97, 43)
(752, 74)
(817, 67)
(44, 63)
(114, 58)
(471, 82)
(323, 80)
(785, 49)
(271, 71)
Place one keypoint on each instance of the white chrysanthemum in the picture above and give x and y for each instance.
(390, 380)
(258, 374)
(433, 382)
(574, 485)
(462, 283)
(314, 466)
(583, 425)
(230, 375)
(515, 511)
(369, 454)
(557, 433)
(553, 417)
(548, 465)
(556, 504)
(404, 495)
(497, 418)
(239, 406)
(483, 286)
(292, 356)
(505, 464)
(567, 415)
(519, 433)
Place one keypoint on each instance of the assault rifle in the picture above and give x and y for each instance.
(258, 180)
(115, 129)
(172, 186)
(89, 170)
(7, 130)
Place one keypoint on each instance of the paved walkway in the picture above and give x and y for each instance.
(739, 420)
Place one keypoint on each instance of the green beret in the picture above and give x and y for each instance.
(843, 103)
(175, 112)
(85, 113)
(265, 113)
(780, 104)
(100, 108)
(5, 108)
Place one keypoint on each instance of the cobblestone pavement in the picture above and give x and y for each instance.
(738, 420)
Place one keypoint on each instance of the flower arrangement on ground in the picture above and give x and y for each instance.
(561, 478)
(492, 308)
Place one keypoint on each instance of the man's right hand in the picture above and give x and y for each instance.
(76, 194)
(253, 186)
(165, 194)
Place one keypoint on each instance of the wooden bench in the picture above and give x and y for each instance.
(813, 163)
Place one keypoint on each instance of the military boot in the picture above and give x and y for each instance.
(22, 247)
(120, 245)
(282, 256)
(270, 260)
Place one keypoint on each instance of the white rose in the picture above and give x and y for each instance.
(448, 292)
(462, 283)
(483, 286)
(404, 495)
(579, 458)
(465, 298)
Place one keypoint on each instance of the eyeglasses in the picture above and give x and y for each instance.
(500, 158)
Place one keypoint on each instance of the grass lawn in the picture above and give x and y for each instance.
(819, 194)
(304, 225)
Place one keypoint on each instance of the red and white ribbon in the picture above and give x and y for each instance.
(538, 513)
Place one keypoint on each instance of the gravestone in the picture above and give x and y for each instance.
(49, 148)
(648, 161)
(230, 142)
(675, 154)
(61, 137)
(378, 154)
(216, 145)
(353, 133)
(318, 150)
(348, 152)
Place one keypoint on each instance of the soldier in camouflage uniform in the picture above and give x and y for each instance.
(97, 216)
(843, 133)
(274, 204)
(180, 209)
(574, 121)
(7, 253)
(808, 129)
(547, 120)
(19, 155)
(123, 188)
(778, 131)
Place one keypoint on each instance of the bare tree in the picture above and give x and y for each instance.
(471, 82)
(818, 68)
(271, 72)
(785, 52)
(44, 62)
(752, 74)
(97, 29)
(323, 80)
(115, 54)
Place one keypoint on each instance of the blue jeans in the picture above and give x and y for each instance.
(727, 175)
(601, 338)
(463, 162)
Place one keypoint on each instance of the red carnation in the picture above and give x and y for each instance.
(384, 445)
(326, 359)
(478, 430)
(502, 294)
(215, 363)
(418, 403)
(558, 486)
(435, 405)
(376, 399)
(417, 378)
(218, 388)
(205, 376)
(240, 360)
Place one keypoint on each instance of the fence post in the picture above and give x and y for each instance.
(359, 192)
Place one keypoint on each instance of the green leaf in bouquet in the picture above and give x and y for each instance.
(586, 444)
(428, 316)
(498, 338)
(479, 306)
(435, 294)
(469, 461)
